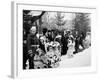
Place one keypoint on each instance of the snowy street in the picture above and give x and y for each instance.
(80, 59)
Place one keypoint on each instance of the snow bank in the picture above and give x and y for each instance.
(80, 59)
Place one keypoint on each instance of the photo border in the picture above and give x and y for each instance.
(17, 70)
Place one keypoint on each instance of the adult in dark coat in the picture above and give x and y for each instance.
(24, 48)
(41, 45)
(77, 38)
(64, 43)
(32, 44)
(50, 35)
(82, 37)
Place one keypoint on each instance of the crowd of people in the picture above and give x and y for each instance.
(45, 50)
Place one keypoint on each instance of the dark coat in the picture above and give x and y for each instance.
(64, 43)
(32, 40)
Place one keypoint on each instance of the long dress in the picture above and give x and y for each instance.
(71, 48)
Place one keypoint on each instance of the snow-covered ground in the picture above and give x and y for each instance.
(80, 59)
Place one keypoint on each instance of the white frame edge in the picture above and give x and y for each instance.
(14, 35)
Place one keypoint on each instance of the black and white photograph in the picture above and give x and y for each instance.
(56, 39)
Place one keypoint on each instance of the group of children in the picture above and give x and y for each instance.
(45, 50)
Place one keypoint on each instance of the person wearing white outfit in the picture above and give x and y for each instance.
(71, 47)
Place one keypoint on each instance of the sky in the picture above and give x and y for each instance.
(68, 16)
(51, 15)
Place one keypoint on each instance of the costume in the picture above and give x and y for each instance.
(71, 48)
(53, 54)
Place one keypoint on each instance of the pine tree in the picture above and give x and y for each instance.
(60, 22)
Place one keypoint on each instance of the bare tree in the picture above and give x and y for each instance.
(29, 20)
